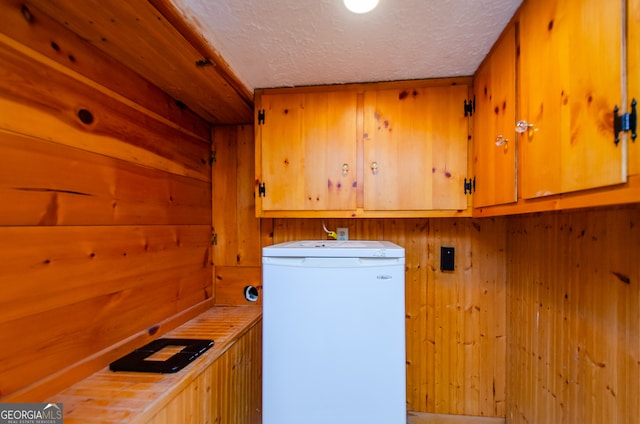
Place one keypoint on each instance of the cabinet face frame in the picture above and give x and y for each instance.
(570, 81)
(495, 166)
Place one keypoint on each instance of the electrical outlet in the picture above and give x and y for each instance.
(343, 233)
(447, 258)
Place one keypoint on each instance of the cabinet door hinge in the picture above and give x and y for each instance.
(469, 185)
(470, 107)
(262, 191)
(214, 239)
(261, 117)
(625, 122)
(212, 159)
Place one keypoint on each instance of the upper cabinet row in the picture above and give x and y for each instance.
(549, 113)
(545, 135)
(396, 149)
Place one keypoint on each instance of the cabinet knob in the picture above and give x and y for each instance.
(374, 168)
(345, 168)
(523, 126)
(500, 140)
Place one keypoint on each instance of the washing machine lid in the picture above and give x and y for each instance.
(335, 249)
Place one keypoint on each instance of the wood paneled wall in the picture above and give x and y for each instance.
(105, 217)
(237, 231)
(456, 323)
(574, 317)
(570, 359)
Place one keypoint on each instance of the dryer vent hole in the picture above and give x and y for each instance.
(251, 294)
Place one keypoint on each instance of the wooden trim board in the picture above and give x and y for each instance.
(424, 418)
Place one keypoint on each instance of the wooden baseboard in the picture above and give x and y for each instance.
(425, 418)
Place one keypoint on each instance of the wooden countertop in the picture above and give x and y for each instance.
(128, 397)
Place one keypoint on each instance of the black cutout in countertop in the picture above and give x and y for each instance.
(136, 360)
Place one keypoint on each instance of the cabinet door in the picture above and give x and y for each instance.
(633, 77)
(494, 136)
(415, 148)
(308, 151)
(570, 56)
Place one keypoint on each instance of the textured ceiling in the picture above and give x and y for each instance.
(278, 43)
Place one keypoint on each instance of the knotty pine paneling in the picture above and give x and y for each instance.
(154, 41)
(53, 103)
(236, 253)
(78, 290)
(573, 317)
(34, 29)
(234, 221)
(572, 359)
(105, 222)
(40, 185)
(456, 323)
(231, 281)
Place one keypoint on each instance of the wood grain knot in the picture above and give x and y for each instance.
(622, 277)
(85, 116)
(26, 13)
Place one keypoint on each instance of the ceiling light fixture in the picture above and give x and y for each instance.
(360, 6)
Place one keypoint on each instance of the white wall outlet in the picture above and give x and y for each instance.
(343, 233)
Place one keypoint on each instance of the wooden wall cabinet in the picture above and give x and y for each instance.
(415, 148)
(307, 154)
(571, 80)
(571, 74)
(494, 137)
(383, 150)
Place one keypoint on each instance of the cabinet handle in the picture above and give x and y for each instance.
(345, 168)
(523, 126)
(374, 168)
(500, 140)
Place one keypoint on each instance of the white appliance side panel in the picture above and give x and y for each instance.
(333, 342)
